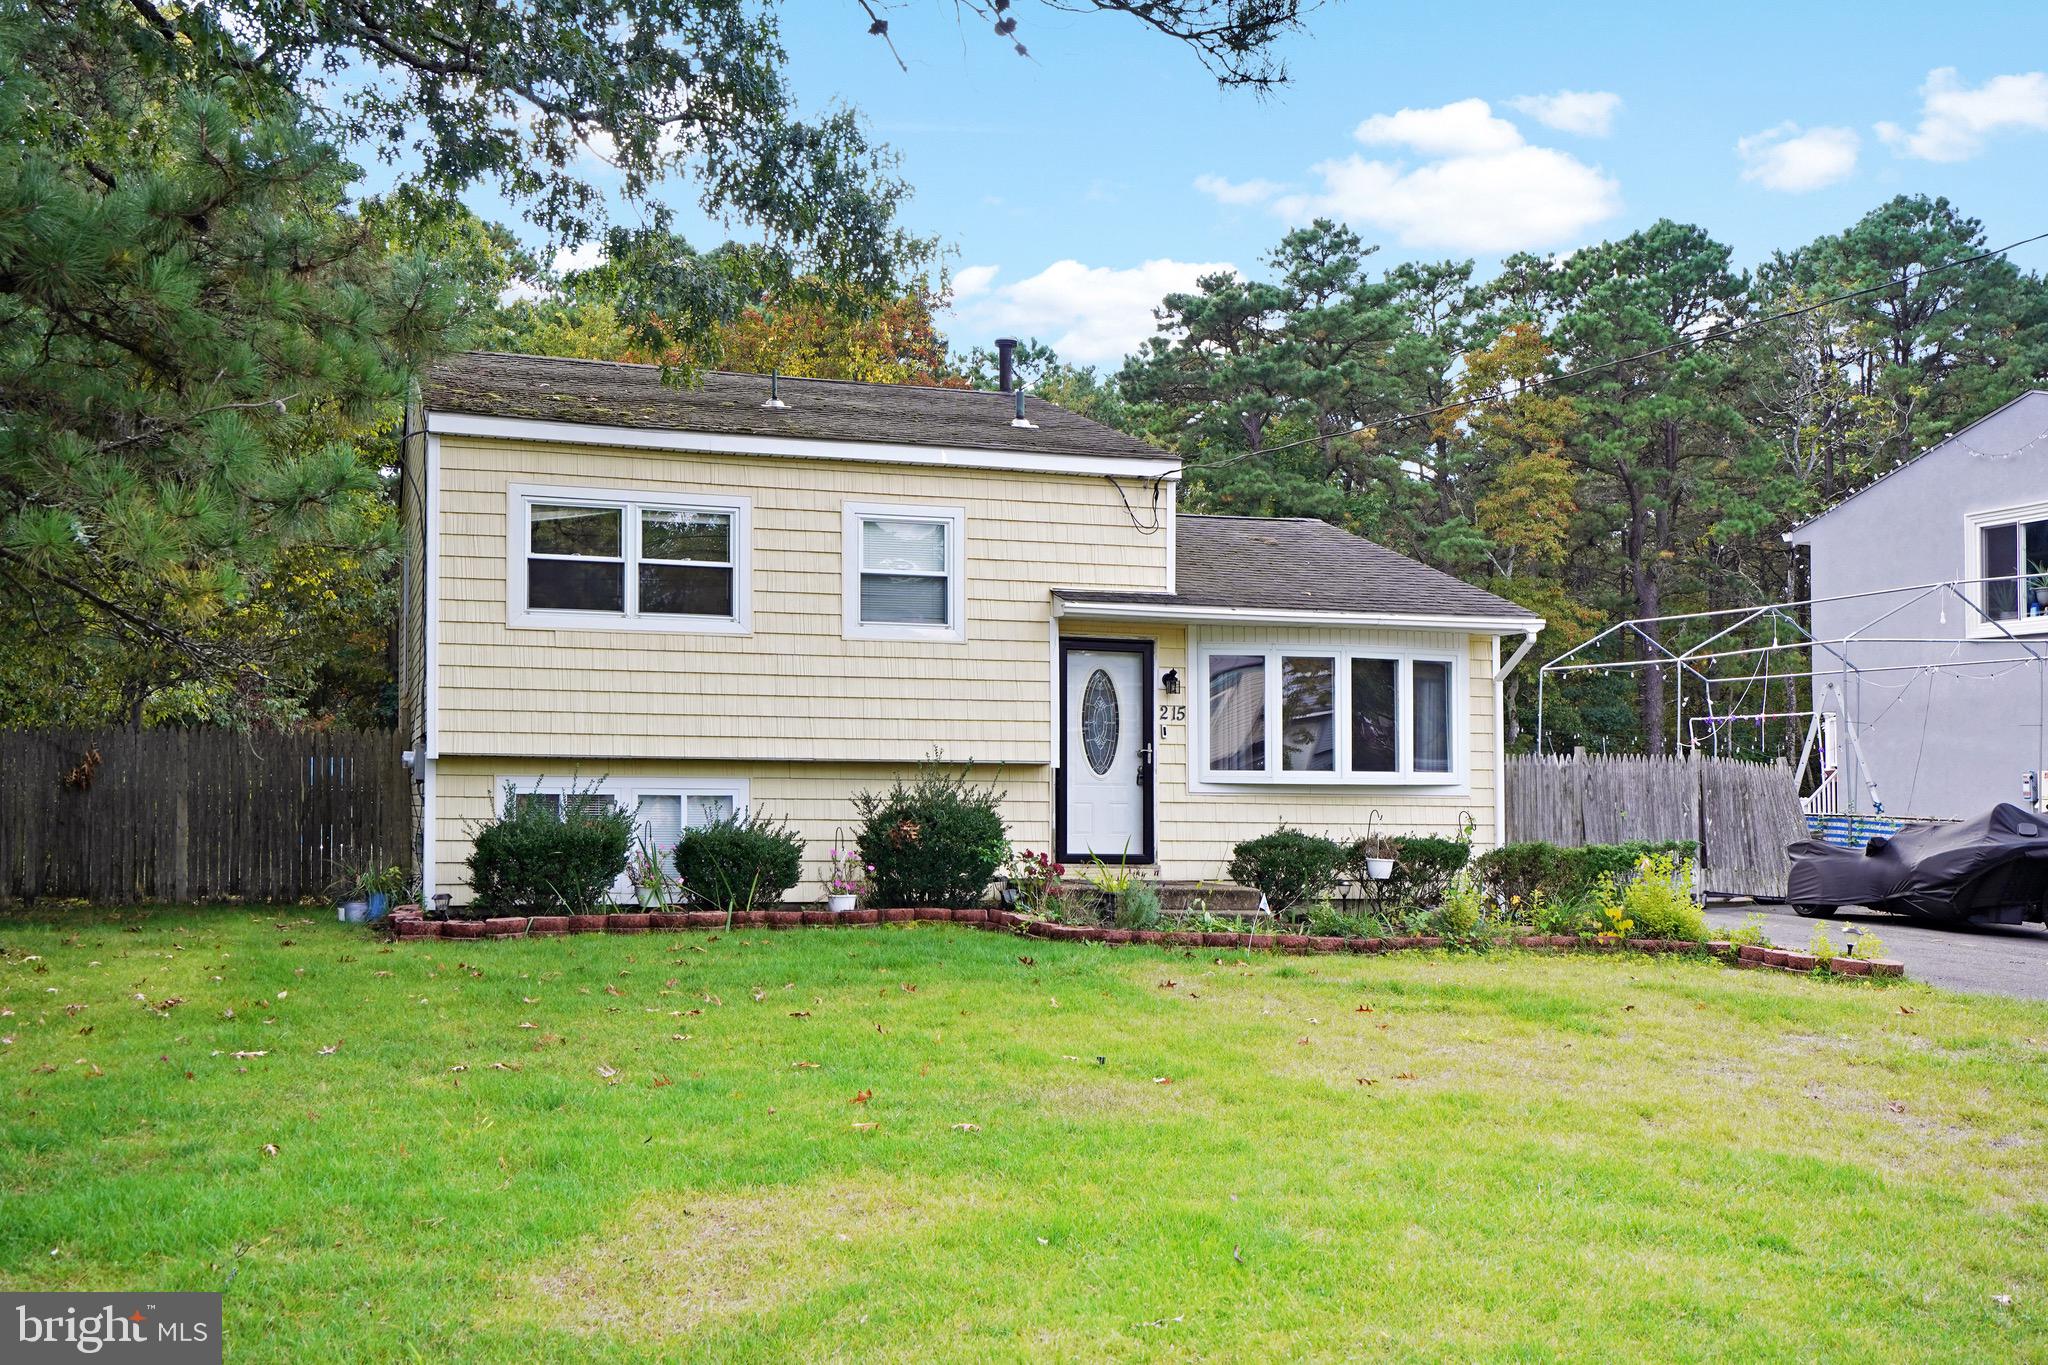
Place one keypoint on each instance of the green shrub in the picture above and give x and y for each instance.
(1753, 932)
(1137, 907)
(1564, 874)
(740, 861)
(937, 840)
(1461, 910)
(1287, 866)
(1330, 921)
(549, 857)
(1660, 900)
(1423, 868)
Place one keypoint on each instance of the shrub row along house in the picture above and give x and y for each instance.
(748, 593)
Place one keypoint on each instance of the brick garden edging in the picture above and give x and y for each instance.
(407, 923)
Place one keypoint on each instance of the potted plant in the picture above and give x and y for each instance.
(1377, 851)
(848, 882)
(653, 886)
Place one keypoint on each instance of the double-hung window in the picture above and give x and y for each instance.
(601, 559)
(1355, 716)
(903, 572)
(2008, 552)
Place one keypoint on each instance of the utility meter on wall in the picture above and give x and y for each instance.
(2030, 788)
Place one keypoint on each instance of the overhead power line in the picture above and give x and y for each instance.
(1728, 332)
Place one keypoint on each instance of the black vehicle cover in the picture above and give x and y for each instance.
(1941, 872)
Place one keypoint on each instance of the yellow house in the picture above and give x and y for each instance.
(771, 594)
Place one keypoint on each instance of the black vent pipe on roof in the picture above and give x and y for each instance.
(1006, 361)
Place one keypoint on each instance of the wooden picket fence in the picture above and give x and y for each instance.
(1741, 814)
(186, 815)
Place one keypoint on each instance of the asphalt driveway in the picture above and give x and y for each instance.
(1998, 961)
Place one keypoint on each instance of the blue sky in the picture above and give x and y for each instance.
(1080, 185)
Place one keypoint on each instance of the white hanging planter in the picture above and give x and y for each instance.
(1379, 869)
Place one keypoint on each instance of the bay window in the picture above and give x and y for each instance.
(1355, 716)
(612, 560)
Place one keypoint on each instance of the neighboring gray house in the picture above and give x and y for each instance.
(1943, 708)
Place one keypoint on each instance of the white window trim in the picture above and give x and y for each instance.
(955, 518)
(1456, 781)
(627, 791)
(518, 539)
(1975, 625)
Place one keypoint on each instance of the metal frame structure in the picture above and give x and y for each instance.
(1709, 667)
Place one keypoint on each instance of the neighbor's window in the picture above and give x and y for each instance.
(2014, 566)
(905, 573)
(651, 564)
(1349, 717)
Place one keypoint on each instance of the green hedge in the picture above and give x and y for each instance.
(534, 860)
(936, 840)
(1564, 874)
(1287, 867)
(740, 861)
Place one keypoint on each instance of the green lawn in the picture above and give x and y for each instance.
(649, 1147)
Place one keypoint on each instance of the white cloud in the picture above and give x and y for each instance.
(582, 256)
(1475, 185)
(1460, 128)
(1589, 113)
(1091, 315)
(1955, 118)
(1238, 192)
(1787, 158)
(971, 280)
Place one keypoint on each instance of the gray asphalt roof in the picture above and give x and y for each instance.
(1300, 564)
(608, 393)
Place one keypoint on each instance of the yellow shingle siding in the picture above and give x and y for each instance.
(1197, 829)
(816, 799)
(793, 688)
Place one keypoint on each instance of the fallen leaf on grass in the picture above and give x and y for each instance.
(527, 1023)
(966, 1127)
(1028, 961)
(1168, 985)
(270, 1149)
(862, 1098)
(330, 1051)
(804, 1066)
(1367, 1080)
(460, 1066)
(505, 1066)
(1363, 1009)
(799, 1014)
(1907, 1009)
(1404, 1075)
(1162, 1080)
(261, 1052)
(1895, 1106)
(609, 1073)
(866, 1127)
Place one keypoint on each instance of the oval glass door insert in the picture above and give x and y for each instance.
(1100, 721)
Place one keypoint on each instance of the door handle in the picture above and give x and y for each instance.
(1144, 761)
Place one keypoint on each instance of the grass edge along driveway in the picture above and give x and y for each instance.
(929, 1142)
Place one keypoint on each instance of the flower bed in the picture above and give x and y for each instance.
(406, 923)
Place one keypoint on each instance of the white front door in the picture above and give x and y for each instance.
(1106, 760)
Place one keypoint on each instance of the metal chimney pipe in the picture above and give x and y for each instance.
(1006, 360)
